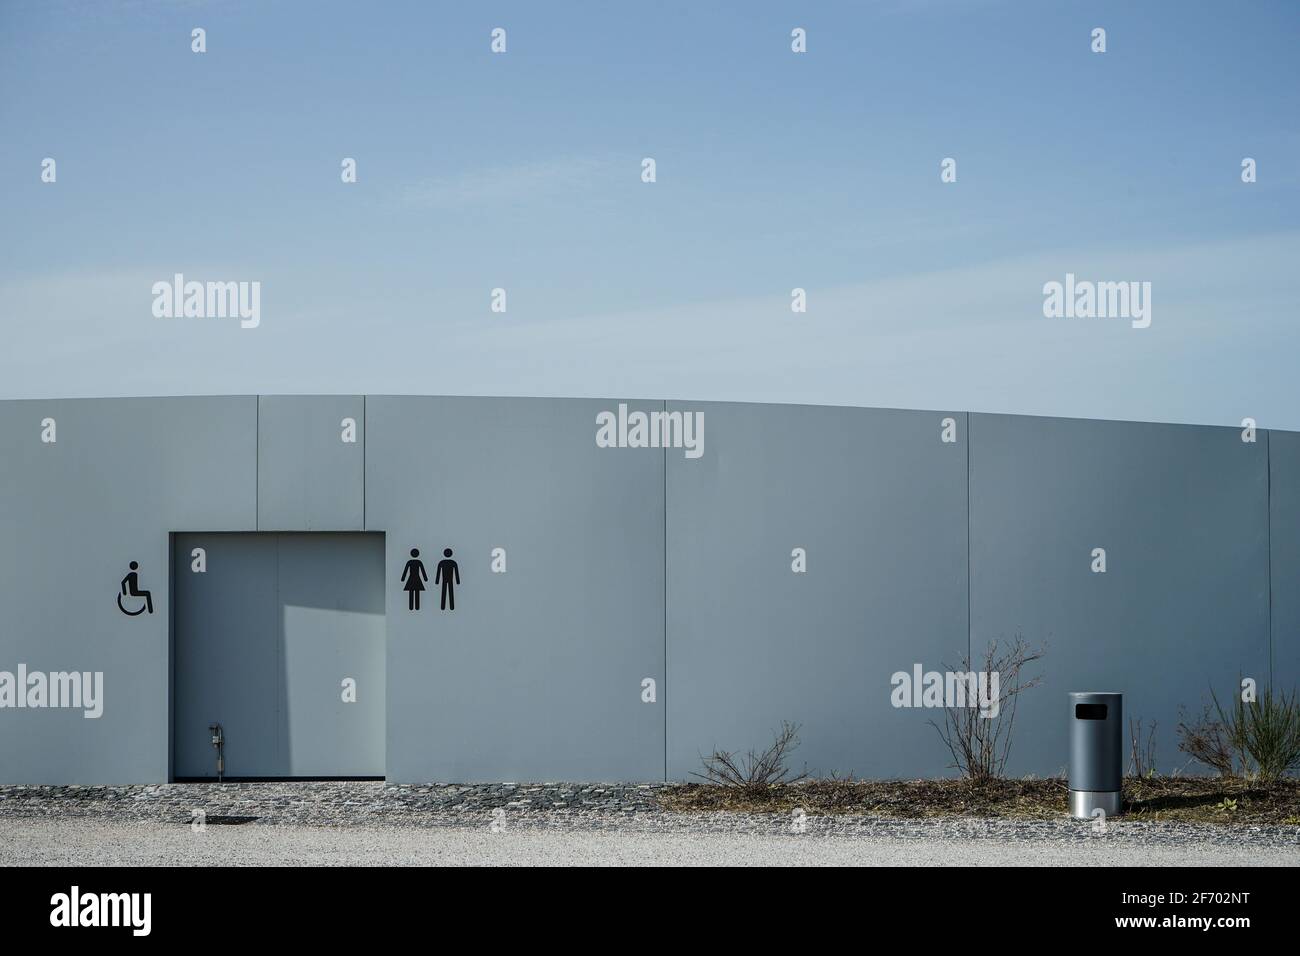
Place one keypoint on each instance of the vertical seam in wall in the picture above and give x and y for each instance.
(365, 437)
(171, 656)
(257, 464)
(1268, 516)
(970, 639)
(281, 678)
(664, 608)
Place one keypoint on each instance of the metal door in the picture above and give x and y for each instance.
(280, 639)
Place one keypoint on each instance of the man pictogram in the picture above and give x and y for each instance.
(444, 575)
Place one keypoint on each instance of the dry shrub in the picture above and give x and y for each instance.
(1142, 750)
(981, 745)
(756, 771)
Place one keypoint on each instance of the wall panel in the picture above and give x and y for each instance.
(878, 502)
(308, 477)
(536, 674)
(1182, 513)
(122, 474)
(1284, 514)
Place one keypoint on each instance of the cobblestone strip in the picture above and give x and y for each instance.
(605, 807)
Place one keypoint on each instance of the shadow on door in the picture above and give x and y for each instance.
(279, 638)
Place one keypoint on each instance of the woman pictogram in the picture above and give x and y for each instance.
(414, 575)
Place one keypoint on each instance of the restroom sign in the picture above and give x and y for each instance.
(446, 577)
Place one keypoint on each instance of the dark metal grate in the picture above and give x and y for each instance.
(224, 819)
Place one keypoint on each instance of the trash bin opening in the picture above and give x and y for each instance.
(1089, 711)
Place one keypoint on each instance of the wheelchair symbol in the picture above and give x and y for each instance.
(131, 588)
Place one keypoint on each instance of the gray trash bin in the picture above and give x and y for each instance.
(1096, 754)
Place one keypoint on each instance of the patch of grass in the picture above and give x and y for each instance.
(1223, 801)
(1230, 801)
(891, 798)
(1259, 739)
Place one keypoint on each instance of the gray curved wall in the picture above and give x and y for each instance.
(634, 564)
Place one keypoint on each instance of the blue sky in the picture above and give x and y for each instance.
(775, 171)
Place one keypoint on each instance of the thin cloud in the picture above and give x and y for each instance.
(508, 184)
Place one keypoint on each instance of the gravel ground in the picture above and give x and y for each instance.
(331, 803)
(361, 823)
(93, 842)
